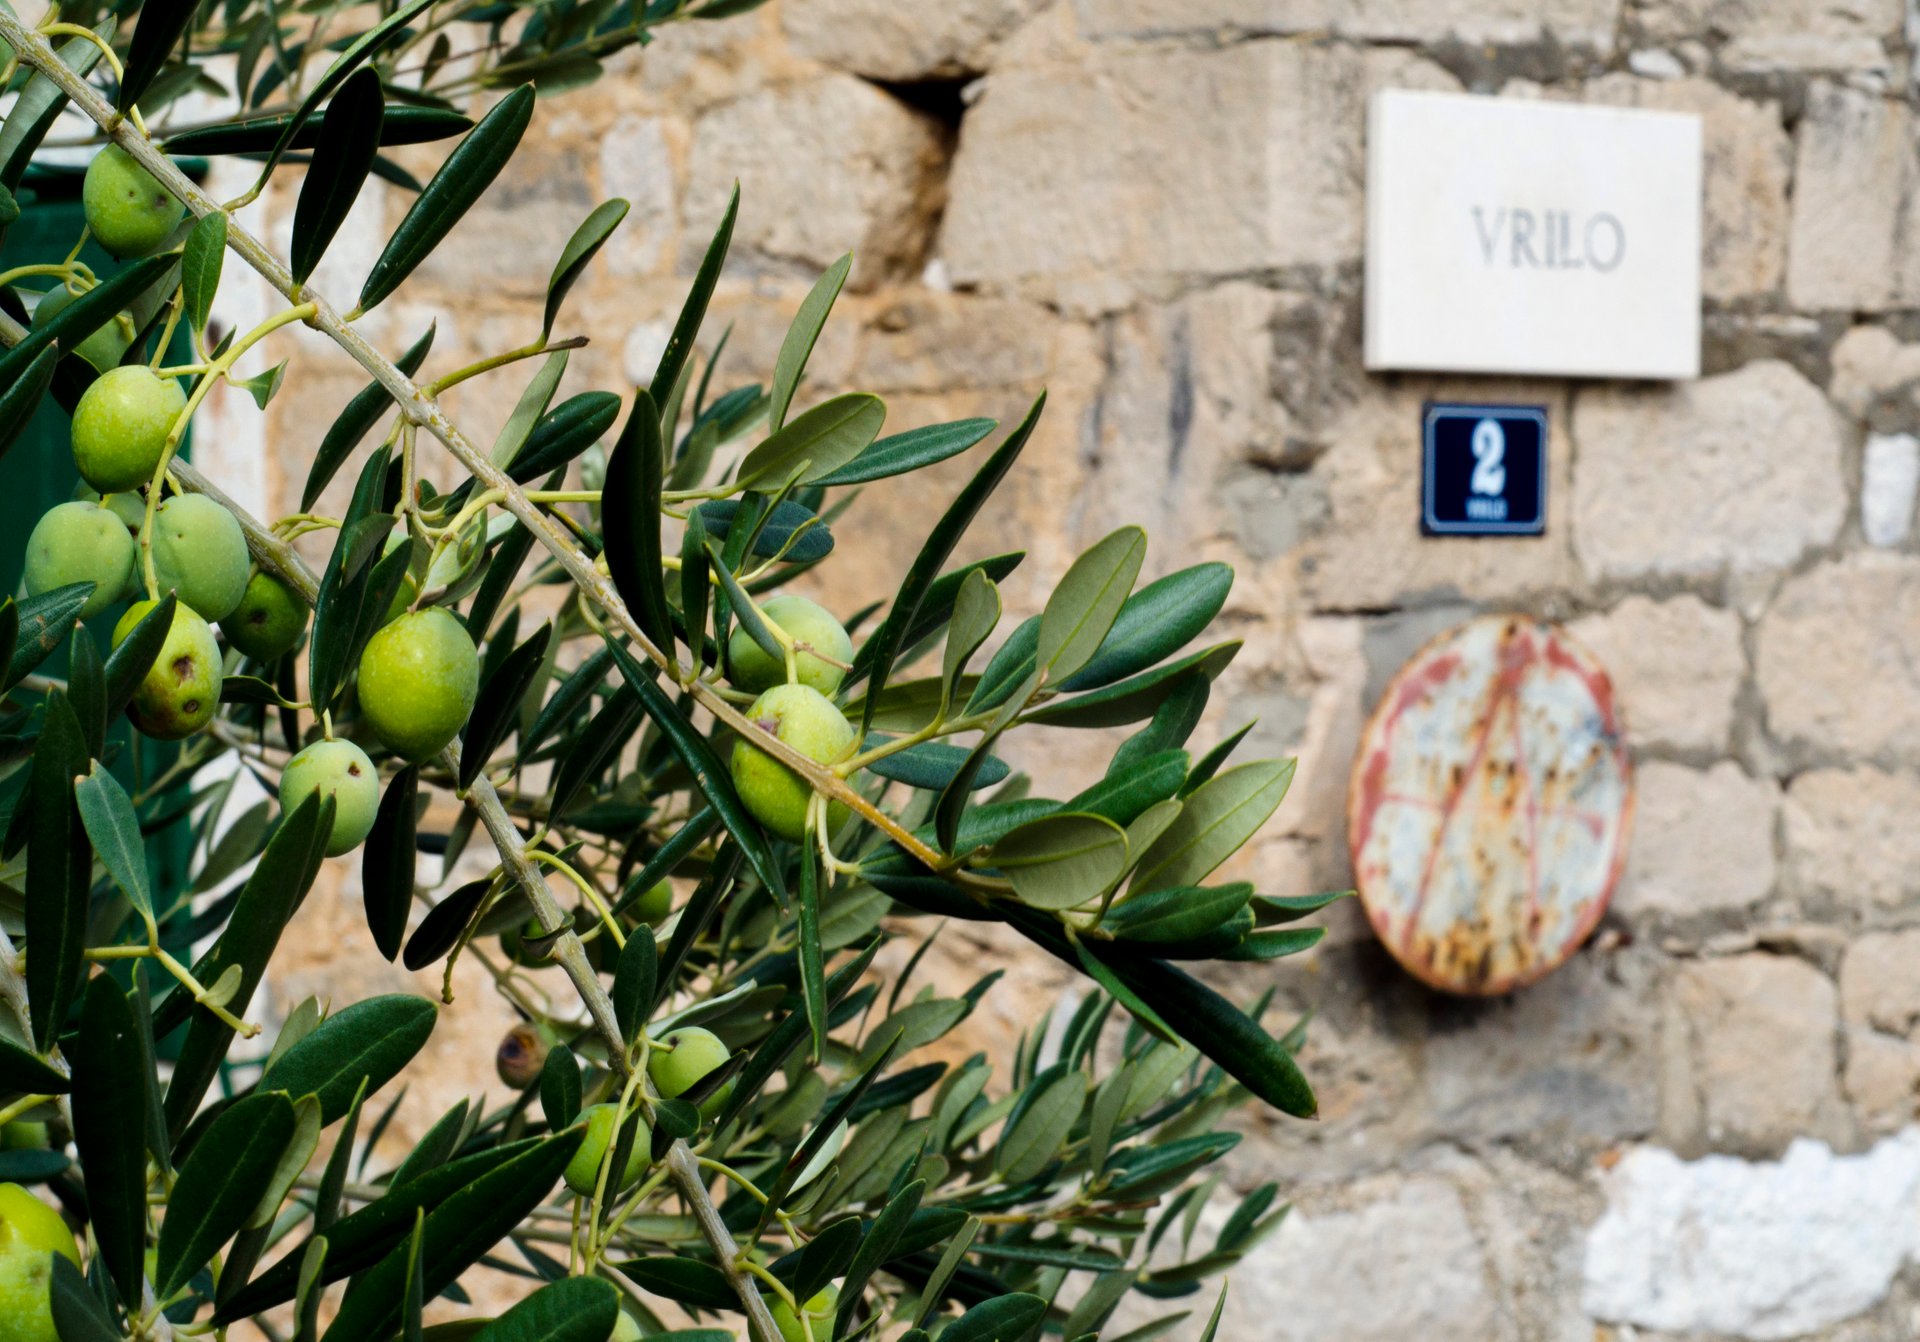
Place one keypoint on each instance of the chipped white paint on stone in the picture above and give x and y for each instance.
(1888, 481)
(1760, 1250)
(1656, 63)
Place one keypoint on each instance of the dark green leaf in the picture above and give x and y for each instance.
(916, 449)
(709, 775)
(1005, 1318)
(1176, 914)
(498, 706)
(573, 1309)
(1271, 909)
(890, 638)
(371, 1040)
(1215, 821)
(1136, 698)
(880, 1240)
(439, 932)
(560, 1088)
(685, 1280)
(201, 261)
(366, 407)
(162, 22)
(22, 396)
(456, 1233)
(39, 106)
(565, 702)
(128, 664)
(826, 1256)
(563, 433)
(114, 831)
(813, 971)
(1087, 601)
(932, 765)
(593, 745)
(636, 975)
(594, 230)
(84, 315)
(1276, 944)
(1038, 1126)
(78, 1314)
(219, 1186)
(27, 1073)
(462, 179)
(791, 530)
(687, 326)
(59, 875)
(107, 1057)
(1063, 859)
(349, 139)
(777, 1047)
(435, 1149)
(1124, 797)
(798, 343)
(402, 125)
(630, 516)
(1156, 621)
(387, 862)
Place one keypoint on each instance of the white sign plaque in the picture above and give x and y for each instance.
(1511, 236)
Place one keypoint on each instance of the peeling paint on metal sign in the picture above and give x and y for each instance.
(1489, 806)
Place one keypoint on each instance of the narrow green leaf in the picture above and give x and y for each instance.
(529, 409)
(1038, 1127)
(372, 1040)
(635, 977)
(201, 261)
(366, 407)
(976, 610)
(39, 106)
(128, 664)
(84, 315)
(106, 1056)
(59, 875)
(1142, 1011)
(402, 125)
(822, 440)
(890, 638)
(693, 587)
(587, 239)
(686, 327)
(882, 1236)
(456, 1233)
(573, 1309)
(1062, 860)
(686, 1281)
(564, 432)
(709, 775)
(560, 1088)
(630, 516)
(462, 179)
(114, 830)
(349, 139)
(23, 1071)
(1156, 621)
(162, 22)
(1086, 602)
(220, 1184)
(914, 450)
(1174, 914)
(21, 397)
(813, 972)
(498, 705)
(798, 343)
(362, 48)
(387, 862)
(78, 1314)
(439, 932)
(1215, 822)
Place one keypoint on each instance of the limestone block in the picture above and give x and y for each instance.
(1890, 472)
(1852, 837)
(824, 166)
(1838, 658)
(1761, 1034)
(1583, 23)
(1737, 472)
(903, 39)
(1676, 666)
(1855, 243)
(1702, 841)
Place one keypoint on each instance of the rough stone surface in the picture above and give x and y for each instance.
(1761, 1030)
(864, 162)
(1095, 167)
(1748, 159)
(1677, 667)
(1766, 1250)
(1880, 1011)
(1838, 659)
(1586, 23)
(904, 39)
(1773, 35)
(1406, 1264)
(1702, 842)
(1890, 472)
(1738, 472)
(1851, 837)
(1853, 225)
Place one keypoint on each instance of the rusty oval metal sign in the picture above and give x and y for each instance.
(1488, 811)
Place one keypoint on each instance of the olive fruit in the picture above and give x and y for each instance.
(625, 1329)
(130, 213)
(822, 650)
(341, 770)
(680, 1060)
(603, 1130)
(521, 1057)
(120, 426)
(806, 720)
(653, 907)
(820, 1310)
(268, 621)
(181, 690)
(31, 1232)
(80, 542)
(418, 679)
(200, 553)
(104, 347)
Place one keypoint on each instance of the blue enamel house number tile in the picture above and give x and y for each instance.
(1485, 470)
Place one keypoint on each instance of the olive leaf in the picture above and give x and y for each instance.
(587, 239)
(798, 343)
(349, 139)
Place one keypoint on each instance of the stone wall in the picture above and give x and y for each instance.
(1153, 209)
